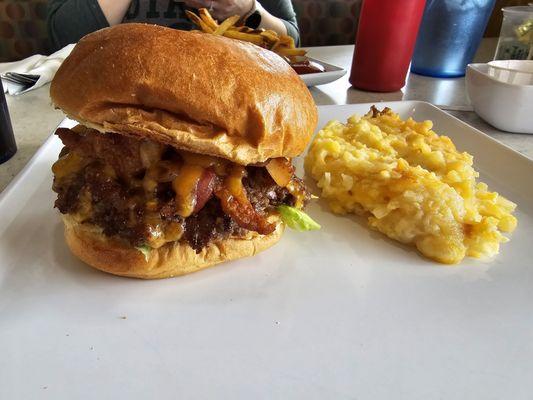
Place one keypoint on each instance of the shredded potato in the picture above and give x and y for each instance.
(412, 184)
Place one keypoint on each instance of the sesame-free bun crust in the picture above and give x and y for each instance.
(199, 92)
(106, 254)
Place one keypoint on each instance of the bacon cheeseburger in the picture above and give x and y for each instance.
(181, 158)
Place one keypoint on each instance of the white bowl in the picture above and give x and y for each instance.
(506, 106)
(518, 72)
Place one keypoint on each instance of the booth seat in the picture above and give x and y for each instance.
(322, 22)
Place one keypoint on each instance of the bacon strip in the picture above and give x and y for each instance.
(235, 203)
(281, 170)
(204, 189)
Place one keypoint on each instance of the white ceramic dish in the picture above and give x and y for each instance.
(340, 313)
(331, 74)
(517, 72)
(504, 105)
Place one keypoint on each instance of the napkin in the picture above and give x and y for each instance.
(44, 67)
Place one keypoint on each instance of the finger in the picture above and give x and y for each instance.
(221, 12)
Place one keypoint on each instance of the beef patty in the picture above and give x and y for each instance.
(119, 208)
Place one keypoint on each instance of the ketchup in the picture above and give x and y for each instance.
(307, 67)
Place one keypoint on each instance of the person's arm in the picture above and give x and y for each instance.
(268, 21)
(114, 10)
(280, 11)
(69, 20)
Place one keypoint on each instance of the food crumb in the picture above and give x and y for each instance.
(123, 317)
(91, 348)
(45, 387)
(277, 322)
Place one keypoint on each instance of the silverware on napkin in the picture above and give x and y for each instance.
(20, 79)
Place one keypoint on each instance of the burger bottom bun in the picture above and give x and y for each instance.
(173, 259)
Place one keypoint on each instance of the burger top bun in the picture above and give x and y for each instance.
(198, 92)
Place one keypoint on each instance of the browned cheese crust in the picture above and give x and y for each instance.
(173, 259)
(202, 93)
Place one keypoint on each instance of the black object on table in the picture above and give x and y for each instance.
(8, 147)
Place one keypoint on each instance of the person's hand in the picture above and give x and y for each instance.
(222, 9)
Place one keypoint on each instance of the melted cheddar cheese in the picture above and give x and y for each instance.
(185, 187)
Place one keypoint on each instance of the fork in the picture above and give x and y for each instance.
(21, 79)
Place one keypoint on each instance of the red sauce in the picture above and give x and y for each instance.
(307, 67)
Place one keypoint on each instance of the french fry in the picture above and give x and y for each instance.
(199, 22)
(205, 28)
(283, 45)
(245, 29)
(195, 19)
(227, 24)
(271, 36)
(292, 59)
(270, 33)
(207, 18)
(287, 40)
(272, 41)
(273, 48)
(247, 37)
(284, 51)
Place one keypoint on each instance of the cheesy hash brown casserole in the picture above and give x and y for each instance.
(413, 185)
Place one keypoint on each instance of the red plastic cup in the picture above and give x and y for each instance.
(384, 44)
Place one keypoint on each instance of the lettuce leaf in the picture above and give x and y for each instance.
(145, 249)
(297, 219)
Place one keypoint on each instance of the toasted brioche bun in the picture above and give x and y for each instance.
(106, 254)
(202, 93)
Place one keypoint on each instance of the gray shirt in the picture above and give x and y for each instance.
(69, 20)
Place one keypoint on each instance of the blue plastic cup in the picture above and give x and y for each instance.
(449, 36)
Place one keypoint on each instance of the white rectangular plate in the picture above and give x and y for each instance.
(340, 313)
(331, 74)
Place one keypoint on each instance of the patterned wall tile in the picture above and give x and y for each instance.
(22, 29)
